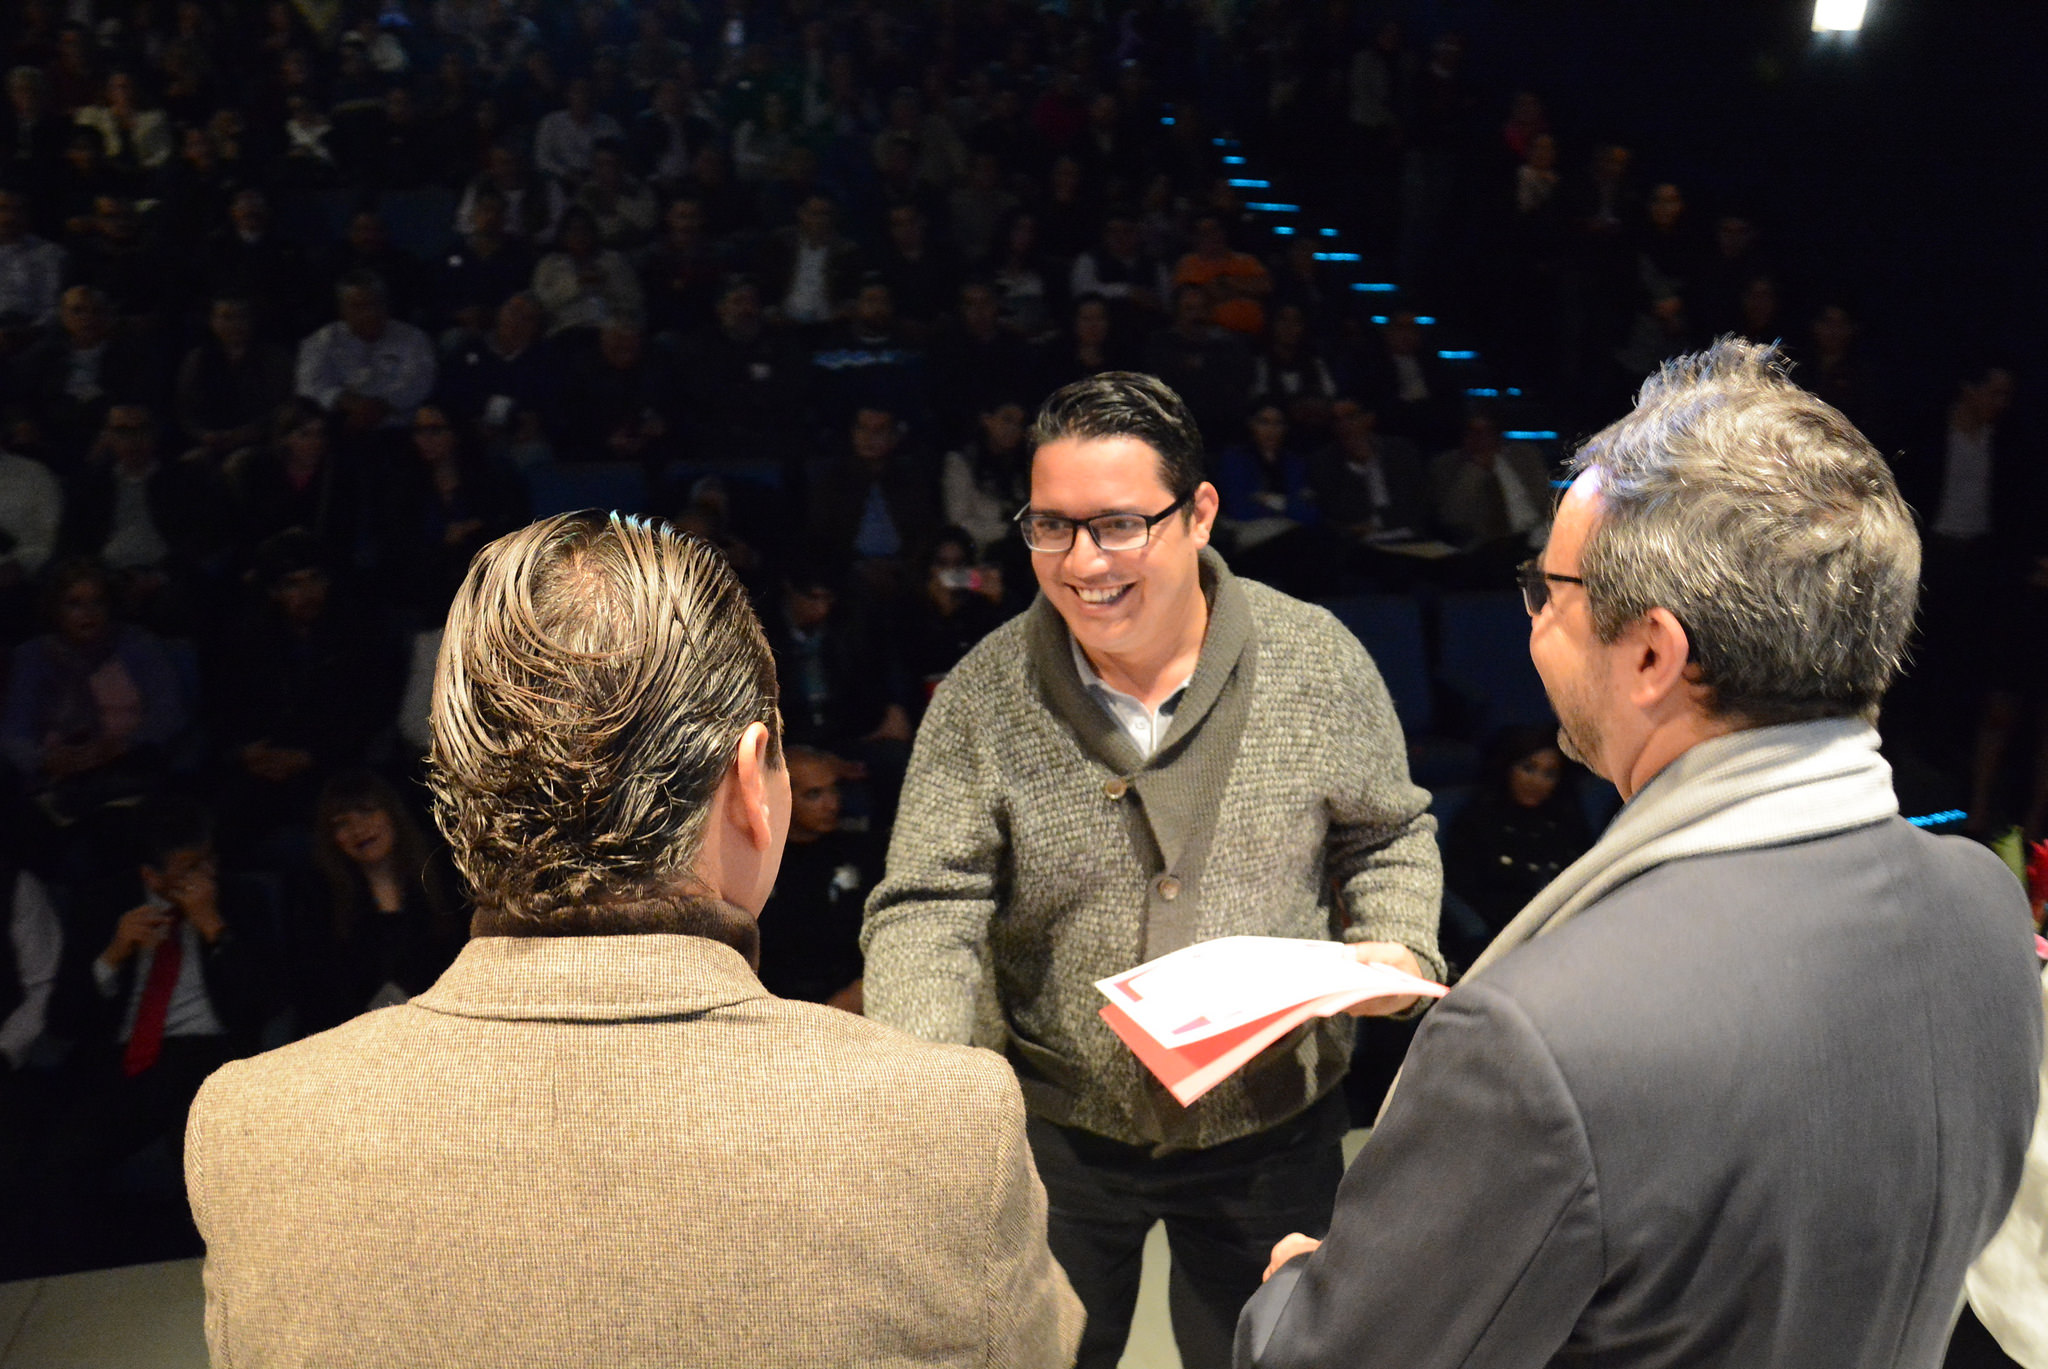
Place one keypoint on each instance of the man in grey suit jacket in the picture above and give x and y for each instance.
(1487, 491)
(597, 1140)
(1751, 1083)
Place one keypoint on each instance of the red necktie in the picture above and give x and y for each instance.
(146, 1039)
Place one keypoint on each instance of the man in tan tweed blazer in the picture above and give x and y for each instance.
(597, 1140)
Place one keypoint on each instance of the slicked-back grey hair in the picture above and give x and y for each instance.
(593, 683)
(1767, 524)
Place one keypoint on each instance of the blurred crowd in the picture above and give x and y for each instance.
(303, 301)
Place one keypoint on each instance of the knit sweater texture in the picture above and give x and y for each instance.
(1036, 852)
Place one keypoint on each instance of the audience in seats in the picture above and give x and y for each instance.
(1488, 491)
(810, 926)
(380, 917)
(1511, 838)
(166, 978)
(300, 309)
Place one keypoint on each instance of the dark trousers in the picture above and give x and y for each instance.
(1224, 1209)
(1972, 1347)
(86, 1223)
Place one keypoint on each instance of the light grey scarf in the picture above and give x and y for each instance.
(1764, 786)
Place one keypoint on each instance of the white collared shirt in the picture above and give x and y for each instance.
(1521, 509)
(190, 1011)
(1965, 508)
(1146, 727)
(38, 948)
(810, 295)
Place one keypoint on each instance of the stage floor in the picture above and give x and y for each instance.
(145, 1316)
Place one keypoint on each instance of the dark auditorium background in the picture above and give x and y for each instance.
(301, 301)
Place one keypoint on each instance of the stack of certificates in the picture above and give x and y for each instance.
(1195, 1017)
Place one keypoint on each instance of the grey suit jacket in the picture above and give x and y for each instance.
(1755, 1110)
(615, 1151)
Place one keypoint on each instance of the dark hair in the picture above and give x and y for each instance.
(575, 214)
(358, 791)
(365, 280)
(952, 535)
(285, 554)
(168, 824)
(1509, 748)
(816, 755)
(293, 414)
(67, 573)
(811, 569)
(1128, 404)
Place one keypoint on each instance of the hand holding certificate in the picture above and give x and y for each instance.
(1195, 1017)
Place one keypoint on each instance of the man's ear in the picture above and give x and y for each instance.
(753, 813)
(1205, 503)
(1658, 660)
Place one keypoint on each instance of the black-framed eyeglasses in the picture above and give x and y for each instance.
(1111, 531)
(1535, 582)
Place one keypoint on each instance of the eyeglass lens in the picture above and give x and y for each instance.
(1112, 532)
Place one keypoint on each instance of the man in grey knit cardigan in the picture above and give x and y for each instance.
(1155, 754)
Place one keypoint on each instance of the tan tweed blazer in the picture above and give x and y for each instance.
(619, 1151)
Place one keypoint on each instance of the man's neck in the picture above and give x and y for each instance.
(1969, 422)
(1152, 677)
(1667, 744)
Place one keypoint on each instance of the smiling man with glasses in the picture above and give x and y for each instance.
(1156, 753)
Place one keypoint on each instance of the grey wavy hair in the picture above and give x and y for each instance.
(1767, 525)
(593, 683)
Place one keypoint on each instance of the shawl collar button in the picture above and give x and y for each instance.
(1116, 787)
(1168, 887)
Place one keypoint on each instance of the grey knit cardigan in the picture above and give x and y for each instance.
(1036, 852)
